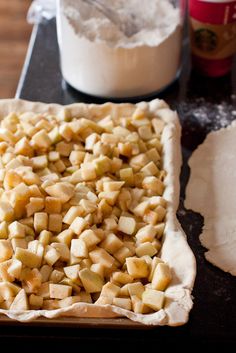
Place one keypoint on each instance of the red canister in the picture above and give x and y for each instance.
(213, 35)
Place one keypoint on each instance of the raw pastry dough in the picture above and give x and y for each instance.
(211, 191)
(175, 249)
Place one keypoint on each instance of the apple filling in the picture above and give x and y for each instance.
(82, 212)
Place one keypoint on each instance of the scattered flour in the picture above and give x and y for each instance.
(203, 114)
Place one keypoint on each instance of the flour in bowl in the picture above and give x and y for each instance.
(99, 59)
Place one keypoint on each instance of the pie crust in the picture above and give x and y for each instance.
(175, 249)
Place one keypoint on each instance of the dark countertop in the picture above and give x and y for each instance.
(203, 104)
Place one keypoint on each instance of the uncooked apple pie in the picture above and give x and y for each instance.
(87, 203)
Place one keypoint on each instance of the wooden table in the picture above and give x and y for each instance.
(14, 37)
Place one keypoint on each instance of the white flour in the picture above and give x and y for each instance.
(97, 58)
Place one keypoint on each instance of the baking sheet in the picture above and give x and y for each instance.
(203, 104)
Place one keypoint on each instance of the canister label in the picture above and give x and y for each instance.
(213, 29)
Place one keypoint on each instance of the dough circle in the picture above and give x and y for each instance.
(211, 191)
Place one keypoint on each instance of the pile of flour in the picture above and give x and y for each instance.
(155, 20)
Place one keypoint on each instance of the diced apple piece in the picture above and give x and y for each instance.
(7, 135)
(155, 261)
(36, 247)
(28, 258)
(3, 230)
(154, 184)
(16, 230)
(104, 207)
(59, 291)
(65, 236)
(6, 250)
(146, 249)
(150, 169)
(64, 148)
(98, 268)
(8, 290)
(110, 224)
(123, 303)
(53, 156)
(52, 205)
(50, 304)
(6, 212)
(109, 196)
(20, 302)
(161, 213)
(56, 276)
(153, 299)
(45, 271)
(40, 162)
(62, 190)
(88, 171)
(160, 229)
(15, 268)
(63, 250)
(41, 139)
(113, 185)
(110, 290)
(122, 277)
(4, 274)
(79, 248)
(78, 225)
(72, 213)
(161, 277)
(44, 237)
(63, 303)
(66, 132)
(136, 288)
(153, 155)
(101, 256)
(139, 161)
(102, 165)
(146, 234)
(138, 306)
(33, 280)
(23, 147)
(111, 243)
(140, 210)
(40, 221)
(51, 255)
(124, 291)
(11, 179)
(55, 222)
(127, 176)
(43, 291)
(122, 254)
(137, 267)
(104, 300)
(36, 204)
(150, 217)
(72, 272)
(18, 242)
(76, 157)
(91, 281)
(35, 302)
(90, 238)
(127, 225)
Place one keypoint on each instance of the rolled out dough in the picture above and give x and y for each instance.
(211, 191)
